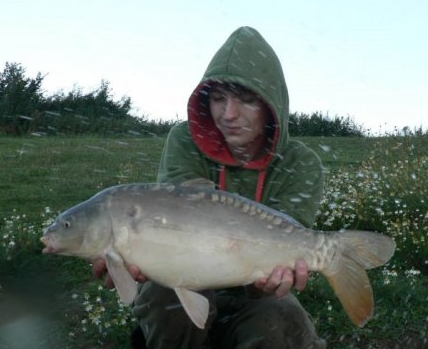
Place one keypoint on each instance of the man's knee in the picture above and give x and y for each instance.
(273, 323)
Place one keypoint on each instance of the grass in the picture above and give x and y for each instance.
(372, 183)
(59, 171)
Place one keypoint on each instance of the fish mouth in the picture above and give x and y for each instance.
(49, 244)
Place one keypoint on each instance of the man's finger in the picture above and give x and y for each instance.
(99, 268)
(108, 281)
(274, 280)
(286, 283)
(136, 274)
(301, 275)
(260, 283)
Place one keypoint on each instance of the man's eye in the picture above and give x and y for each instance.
(248, 98)
(217, 97)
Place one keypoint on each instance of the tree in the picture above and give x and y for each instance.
(316, 124)
(18, 93)
(96, 104)
(20, 97)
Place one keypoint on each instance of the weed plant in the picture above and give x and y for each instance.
(387, 193)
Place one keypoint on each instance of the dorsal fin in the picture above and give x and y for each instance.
(198, 182)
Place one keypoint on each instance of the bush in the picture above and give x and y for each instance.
(25, 110)
(387, 193)
(303, 125)
(94, 105)
(20, 96)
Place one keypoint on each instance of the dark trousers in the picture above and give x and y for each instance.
(235, 321)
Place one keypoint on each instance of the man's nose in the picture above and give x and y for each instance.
(231, 109)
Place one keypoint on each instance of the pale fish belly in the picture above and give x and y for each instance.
(195, 260)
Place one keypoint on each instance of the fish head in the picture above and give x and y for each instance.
(83, 230)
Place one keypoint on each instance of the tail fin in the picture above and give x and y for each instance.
(359, 251)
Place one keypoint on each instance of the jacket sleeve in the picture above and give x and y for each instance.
(297, 183)
(180, 159)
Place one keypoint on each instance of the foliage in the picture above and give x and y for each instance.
(399, 320)
(303, 125)
(19, 96)
(95, 104)
(95, 318)
(24, 109)
(387, 193)
(13, 245)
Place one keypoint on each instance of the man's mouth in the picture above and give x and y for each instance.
(232, 130)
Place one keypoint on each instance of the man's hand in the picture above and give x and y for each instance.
(99, 269)
(282, 279)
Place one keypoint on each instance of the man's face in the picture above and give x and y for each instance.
(239, 114)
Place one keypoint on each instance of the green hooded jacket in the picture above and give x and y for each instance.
(290, 178)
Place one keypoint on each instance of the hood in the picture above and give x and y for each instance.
(248, 60)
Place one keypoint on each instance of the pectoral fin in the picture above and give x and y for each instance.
(123, 281)
(195, 305)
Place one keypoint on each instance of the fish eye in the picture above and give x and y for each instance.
(66, 224)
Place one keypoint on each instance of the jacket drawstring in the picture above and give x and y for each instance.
(260, 185)
(222, 178)
(260, 182)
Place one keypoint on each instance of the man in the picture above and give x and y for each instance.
(237, 136)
